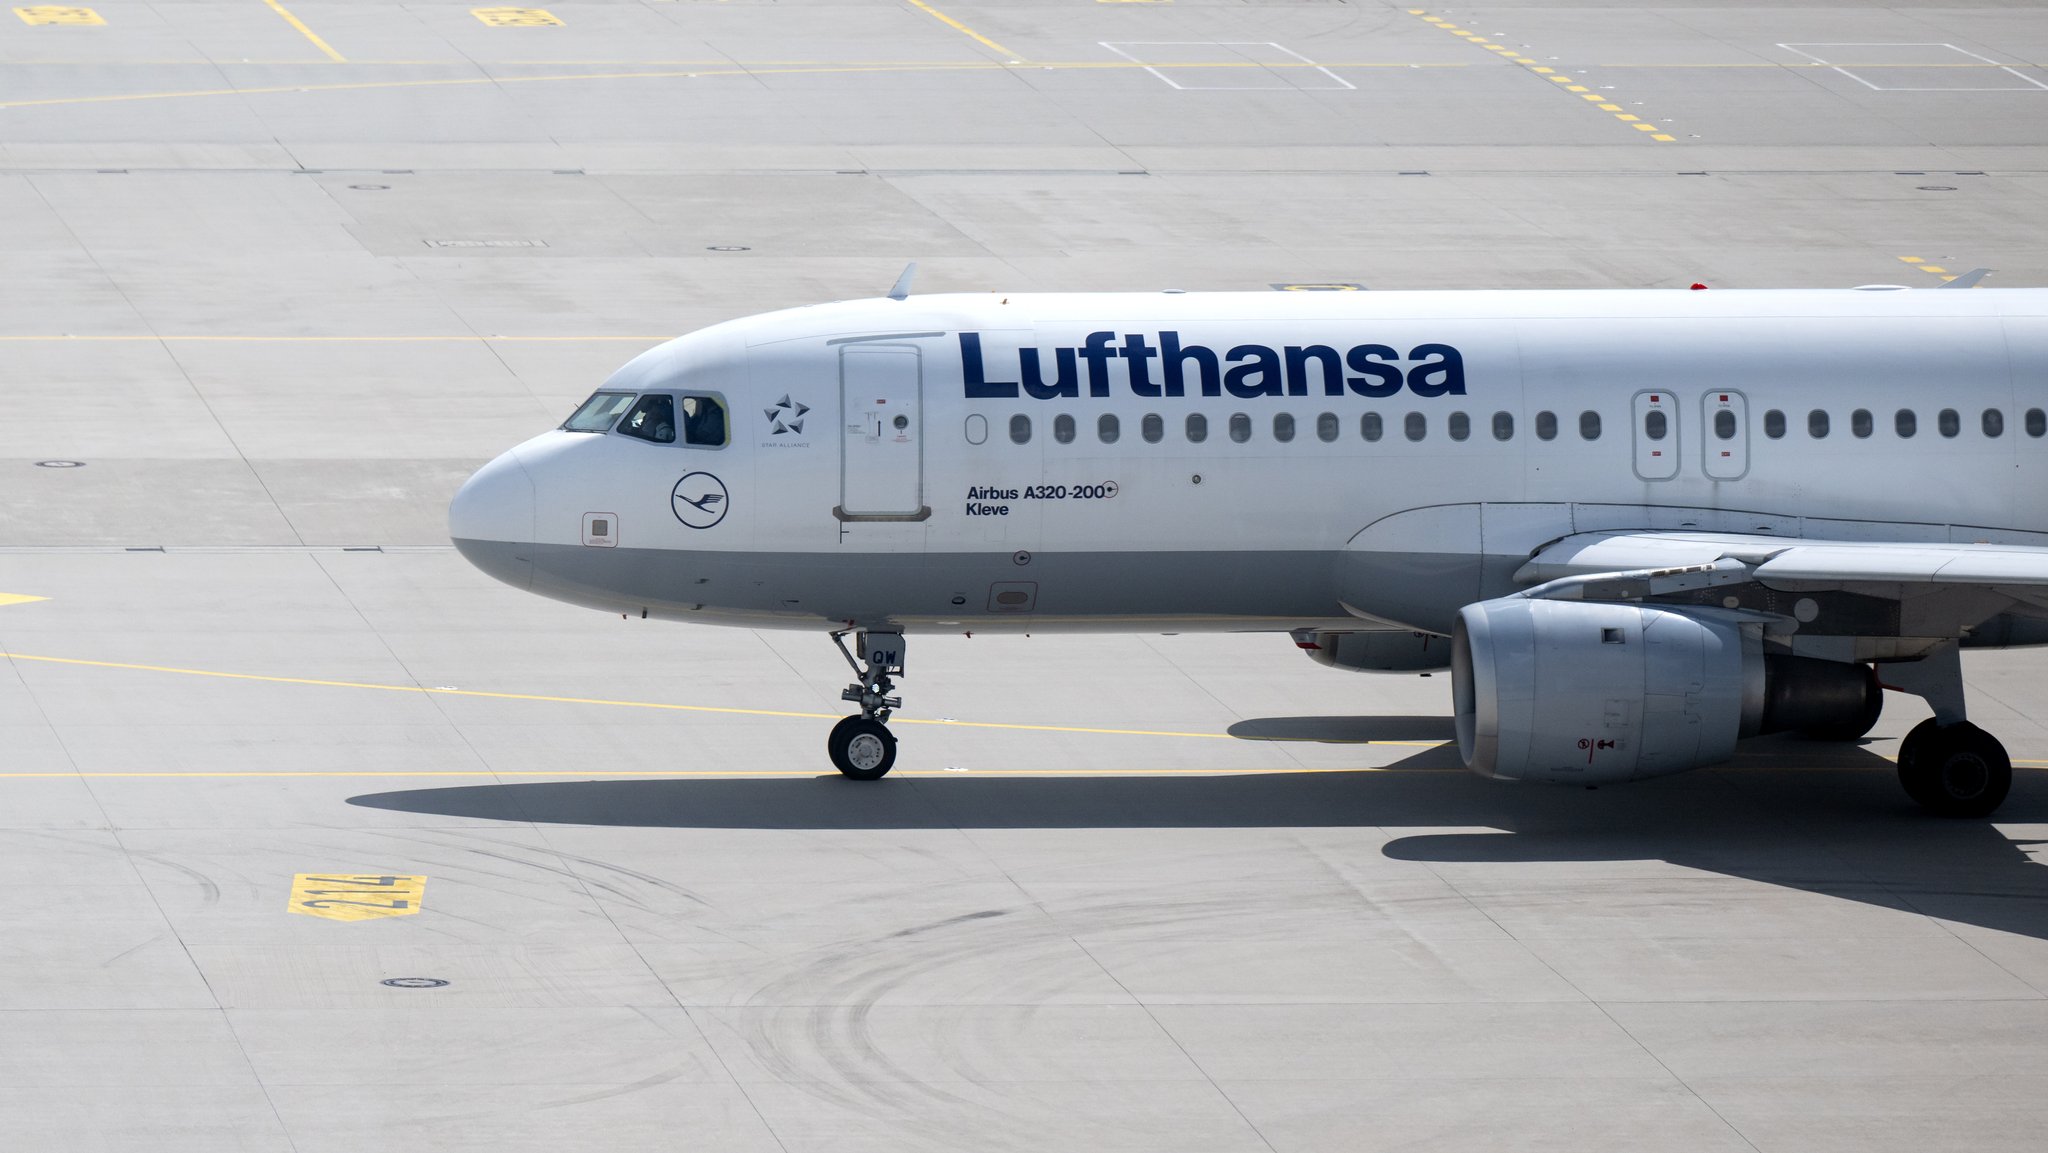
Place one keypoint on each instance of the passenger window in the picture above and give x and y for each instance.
(1416, 426)
(1370, 426)
(2037, 422)
(654, 418)
(1240, 427)
(1774, 424)
(704, 423)
(1063, 428)
(1198, 428)
(1546, 426)
(1152, 428)
(1724, 425)
(1020, 429)
(598, 413)
(1327, 427)
(1817, 424)
(977, 428)
(1283, 427)
(1906, 423)
(1589, 425)
(1107, 428)
(1860, 423)
(1994, 423)
(1655, 425)
(1948, 422)
(1503, 426)
(1460, 426)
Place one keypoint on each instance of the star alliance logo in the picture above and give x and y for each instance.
(787, 416)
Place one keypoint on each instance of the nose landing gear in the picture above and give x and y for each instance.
(862, 747)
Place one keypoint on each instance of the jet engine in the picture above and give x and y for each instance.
(1376, 652)
(1577, 691)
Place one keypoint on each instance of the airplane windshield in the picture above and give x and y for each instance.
(598, 413)
(654, 418)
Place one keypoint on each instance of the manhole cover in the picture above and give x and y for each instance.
(727, 248)
(371, 187)
(60, 464)
(413, 982)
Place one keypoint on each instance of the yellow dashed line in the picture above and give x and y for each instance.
(1934, 270)
(1570, 85)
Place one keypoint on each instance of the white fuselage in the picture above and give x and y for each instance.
(1026, 462)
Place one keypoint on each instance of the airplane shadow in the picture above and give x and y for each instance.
(1835, 822)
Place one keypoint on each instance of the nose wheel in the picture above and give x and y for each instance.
(861, 747)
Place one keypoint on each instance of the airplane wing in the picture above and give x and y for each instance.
(1778, 561)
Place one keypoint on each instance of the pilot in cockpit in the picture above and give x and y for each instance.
(703, 421)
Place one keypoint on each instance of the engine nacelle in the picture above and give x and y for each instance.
(1593, 693)
(1377, 652)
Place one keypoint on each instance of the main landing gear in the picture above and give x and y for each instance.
(1948, 765)
(862, 747)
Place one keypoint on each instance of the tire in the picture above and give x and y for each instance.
(1855, 727)
(862, 749)
(1955, 770)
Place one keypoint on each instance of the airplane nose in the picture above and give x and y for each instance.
(492, 518)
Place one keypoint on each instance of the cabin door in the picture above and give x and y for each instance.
(881, 432)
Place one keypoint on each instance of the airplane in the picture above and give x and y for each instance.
(1636, 525)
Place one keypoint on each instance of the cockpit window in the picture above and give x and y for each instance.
(653, 418)
(704, 423)
(598, 413)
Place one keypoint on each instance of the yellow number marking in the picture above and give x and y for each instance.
(55, 15)
(516, 17)
(356, 896)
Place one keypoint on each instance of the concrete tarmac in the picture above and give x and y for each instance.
(275, 276)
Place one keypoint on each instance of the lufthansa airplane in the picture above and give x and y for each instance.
(1637, 525)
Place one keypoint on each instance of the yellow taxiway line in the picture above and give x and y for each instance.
(196, 338)
(971, 34)
(670, 74)
(308, 33)
(666, 706)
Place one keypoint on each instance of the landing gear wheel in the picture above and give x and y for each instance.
(862, 749)
(1954, 770)
(1851, 728)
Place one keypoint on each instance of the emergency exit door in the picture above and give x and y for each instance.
(1724, 435)
(1656, 435)
(881, 432)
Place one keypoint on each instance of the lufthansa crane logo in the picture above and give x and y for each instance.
(699, 500)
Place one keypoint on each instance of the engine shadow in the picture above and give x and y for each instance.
(1344, 730)
(1836, 824)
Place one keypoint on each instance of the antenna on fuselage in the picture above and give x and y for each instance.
(1968, 279)
(902, 289)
